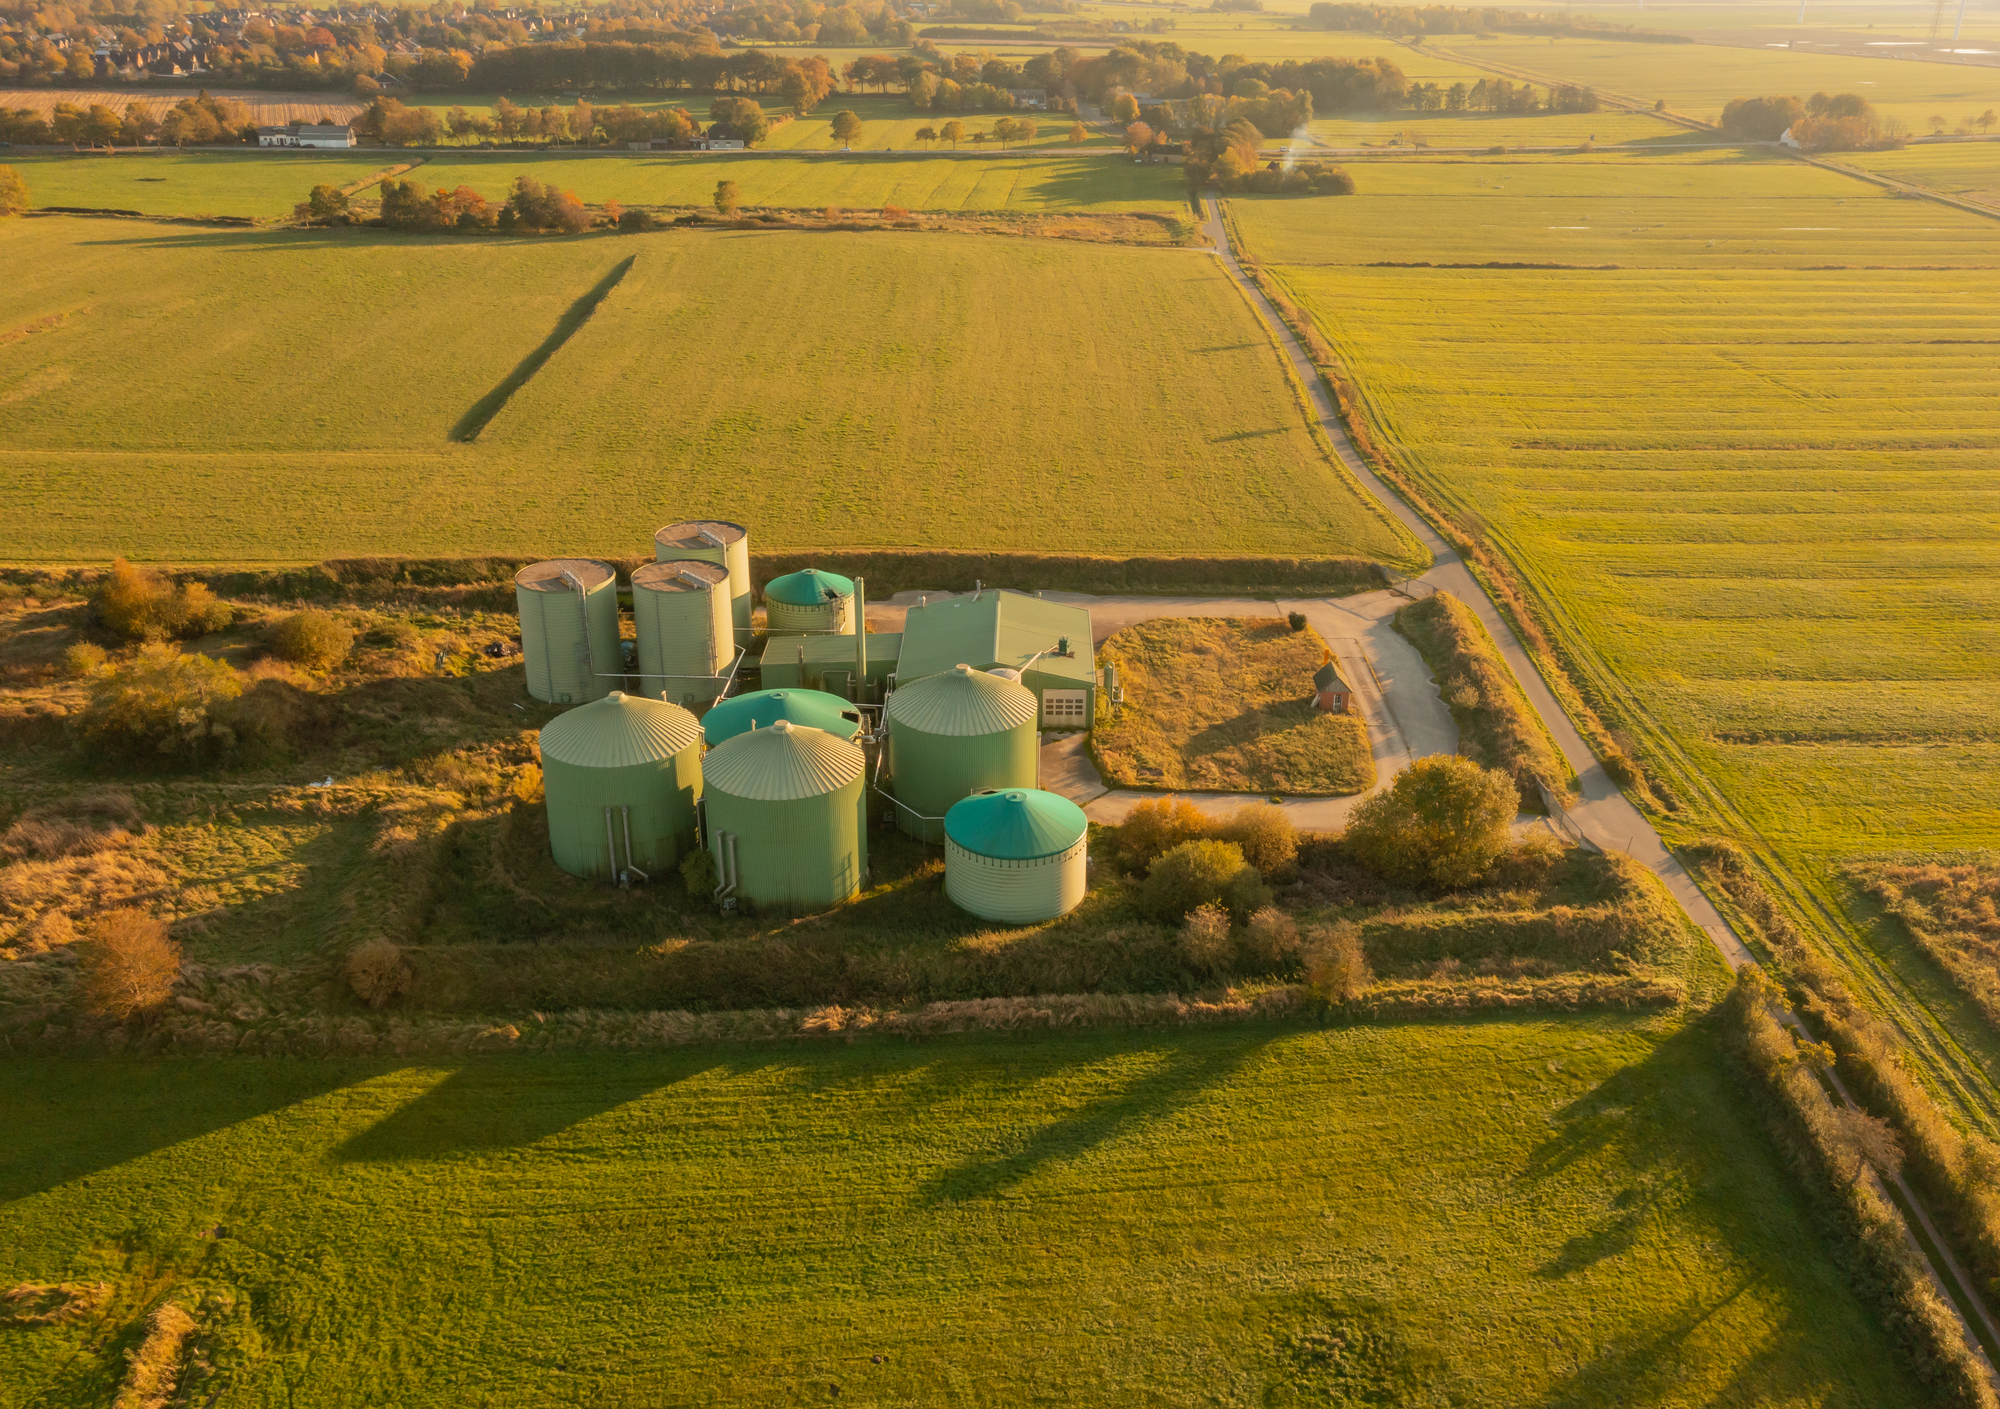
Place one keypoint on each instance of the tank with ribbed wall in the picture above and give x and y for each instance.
(787, 818)
(954, 734)
(809, 603)
(714, 541)
(569, 629)
(1016, 856)
(760, 709)
(622, 776)
(680, 611)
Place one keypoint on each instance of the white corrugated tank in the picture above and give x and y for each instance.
(1017, 857)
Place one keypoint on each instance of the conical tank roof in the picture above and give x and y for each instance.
(962, 702)
(808, 588)
(814, 709)
(619, 731)
(783, 763)
(1020, 824)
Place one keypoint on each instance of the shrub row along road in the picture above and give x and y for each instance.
(1605, 815)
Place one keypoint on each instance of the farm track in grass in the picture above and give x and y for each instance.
(1573, 1210)
(1757, 505)
(883, 389)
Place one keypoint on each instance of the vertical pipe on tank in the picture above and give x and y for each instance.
(860, 637)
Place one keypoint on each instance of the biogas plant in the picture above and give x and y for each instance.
(771, 748)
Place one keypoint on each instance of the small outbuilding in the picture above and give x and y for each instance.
(1331, 692)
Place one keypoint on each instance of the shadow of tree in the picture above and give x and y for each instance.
(1183, 1073)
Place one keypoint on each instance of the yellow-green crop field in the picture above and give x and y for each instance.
(1554, 1211)
(1698, 79)
(942, 182)
(1445, 129)
(1758, 497)
(212, 395)
(1968, 169)
(1715, 210)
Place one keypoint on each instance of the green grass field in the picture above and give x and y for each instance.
(1698, 79)
(1970, 169)
(1495, 129)
(1559, 1212)
(1716, 210)
(880, 390)
(1757, 502)
(916, 182)
(265, 185)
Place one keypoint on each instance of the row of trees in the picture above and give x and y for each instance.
(408, 205)
(1455, 19)
(1498, 95)
(1842, 122)
(197, 121)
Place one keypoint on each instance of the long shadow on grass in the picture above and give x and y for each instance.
(66, 1119)
(488, 406)
(1176, 1084)
(506, 1105)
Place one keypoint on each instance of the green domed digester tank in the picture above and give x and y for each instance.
(954, 734)
(787, 817)
(622, 776)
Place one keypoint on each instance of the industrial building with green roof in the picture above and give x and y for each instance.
(1048, 643)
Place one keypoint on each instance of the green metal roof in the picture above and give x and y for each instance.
(619, 731)
(963, 702)
(1020, 824)
(815, 709)
(781, 764)
(883, 646)
(997, 629)
(807, 588)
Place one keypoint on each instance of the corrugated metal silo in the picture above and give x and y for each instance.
(809, 603)
(569, 629)
(622, 775)
(787, 816)
(1016, 856)
(681, 611)
(714, 541)
(954, 734)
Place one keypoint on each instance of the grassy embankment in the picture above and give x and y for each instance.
(1252, 1216)
(1497, 727)
(1970, 170)
(1224, 704)
(813, 437)
(1749, 493)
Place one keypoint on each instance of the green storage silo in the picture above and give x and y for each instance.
(787, 812)
(622, 775)
(681, 611)
(954, 734)
(569, 629)
(809, 603)
(811, 709)
(1016, 856)
(714, 541)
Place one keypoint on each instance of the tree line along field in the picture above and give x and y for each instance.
(1721, 210)
(830, 389)
(265, 106)
(1754, 496)
(268, 185)
(914, 182)
(1524, 1211)
(1699, 79)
